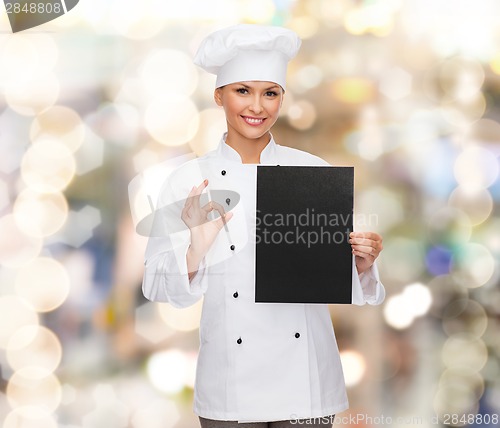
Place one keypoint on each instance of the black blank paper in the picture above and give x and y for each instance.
(304, 217)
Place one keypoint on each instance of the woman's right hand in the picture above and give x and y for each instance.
(203, 230)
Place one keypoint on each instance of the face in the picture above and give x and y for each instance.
(251, 108)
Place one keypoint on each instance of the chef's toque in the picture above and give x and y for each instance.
(247, 52)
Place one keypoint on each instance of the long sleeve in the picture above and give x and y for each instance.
(366, 287)
(165, 269)
(166, 277)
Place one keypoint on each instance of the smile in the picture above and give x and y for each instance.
(253, 120)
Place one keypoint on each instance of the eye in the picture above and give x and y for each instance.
(242, 90)
(271, 94)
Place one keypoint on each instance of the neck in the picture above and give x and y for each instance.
(248, 149)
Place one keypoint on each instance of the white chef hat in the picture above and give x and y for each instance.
(248, 52)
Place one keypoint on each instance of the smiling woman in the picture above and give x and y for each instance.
(271, 365)
(251, 109)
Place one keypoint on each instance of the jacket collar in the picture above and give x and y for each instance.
(267, 156)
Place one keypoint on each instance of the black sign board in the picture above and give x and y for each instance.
(303, 220)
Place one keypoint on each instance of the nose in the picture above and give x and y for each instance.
(256, 105)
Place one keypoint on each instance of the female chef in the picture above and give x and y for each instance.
(259, 364)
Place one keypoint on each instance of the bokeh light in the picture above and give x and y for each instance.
(495, 64)
(158, 414)
(257, 11)
(166, 72)
(212, 123)
(4, 195)
(397, 312)
(354, 366)
(48, 166)
(185, 319)
(34, 387)
(476, 168)
(473, 265)
(173, 121)
(19, 313)
(302, 115)
(464, 351)
(465, 315)
(29, 417)
(33, 96)
(40, 214)
(470, 379)
(118, 123)
(400, 310)
(149, 325)
(375, 18)
(34, 346)
(486, 233)
(396, 84)
(420, 296)
(169, 371)
(449, 226)
(25, 55)
(461, 115)
(461, 79)
(44, 283)
(16, 246)
(108, 410)
(455, 399)
(306, 78)
(438, 260)
(136, 23)
(351, 90)
(407, 259)
(305, 26)
(377, 208)
(61, 123)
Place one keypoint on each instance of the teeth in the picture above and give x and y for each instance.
(250, 120)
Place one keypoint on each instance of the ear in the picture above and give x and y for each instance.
(282, 98)
(218, 96)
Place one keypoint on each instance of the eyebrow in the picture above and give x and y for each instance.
(267, 89)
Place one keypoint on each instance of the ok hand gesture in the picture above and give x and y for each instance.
(203, 230)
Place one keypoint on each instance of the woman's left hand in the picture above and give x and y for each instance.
(366, 246)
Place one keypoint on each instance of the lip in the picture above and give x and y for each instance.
(253, 121)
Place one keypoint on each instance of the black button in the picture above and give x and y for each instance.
(235, 295)
(239, 341)
(297, 335)
(223, 172)
(232, 247)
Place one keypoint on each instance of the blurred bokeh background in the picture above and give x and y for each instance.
(407, 91)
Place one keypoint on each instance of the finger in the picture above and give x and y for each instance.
(218, 207)
(363, 255)
(222, 220)
(208, 207)
(361, 241)
(363, 249)
(197, 193)
(189, 198)
(367, 235)
(367, 243)
(366, 238)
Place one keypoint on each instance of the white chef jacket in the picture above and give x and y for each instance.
(257, 361)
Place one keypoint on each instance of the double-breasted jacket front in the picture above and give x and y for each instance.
(257, 361)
